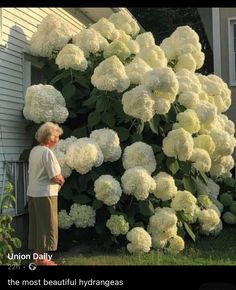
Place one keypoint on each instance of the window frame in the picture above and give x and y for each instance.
(232, 51)
(2, 45)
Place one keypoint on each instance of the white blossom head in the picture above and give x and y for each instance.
(124, 21)
(117, 225)
(52, 35)
(109, 143)
(138, 103)
(71, 56)
(43, 102)
(138, 182)
(139, 154)
(140, 240)
(64, 220)
(110, 75)
(83, 216)
(178, 143)
(84, 154)
(107, 189)
(165, 186)
(90, 41)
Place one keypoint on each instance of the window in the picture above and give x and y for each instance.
(232, 50)
(32, 71)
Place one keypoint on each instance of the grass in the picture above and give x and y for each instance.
(208, 251)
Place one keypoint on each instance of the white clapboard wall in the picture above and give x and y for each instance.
(17, 27)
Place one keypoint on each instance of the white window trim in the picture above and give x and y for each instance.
(216, 40)
(1, 23)
(232, 75)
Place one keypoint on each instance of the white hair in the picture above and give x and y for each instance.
(47, 131)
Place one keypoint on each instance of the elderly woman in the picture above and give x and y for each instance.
(45, 180)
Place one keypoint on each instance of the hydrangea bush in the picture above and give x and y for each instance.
(147, 147)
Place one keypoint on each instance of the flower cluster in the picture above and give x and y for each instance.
(107, 189)
(139, 154)
(136, 181)
(83, 154)
(162, 226)
(183, 48)
(109, 143)
(44, 103)
(64, 220)
(140, 240)
(51, 36)
(117, 225)
(71, 56)
(83, 216)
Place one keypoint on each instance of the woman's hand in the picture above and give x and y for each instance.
(59, 179)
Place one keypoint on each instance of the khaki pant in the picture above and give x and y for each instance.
(43, 223)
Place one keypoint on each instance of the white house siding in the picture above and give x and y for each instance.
(18, 25)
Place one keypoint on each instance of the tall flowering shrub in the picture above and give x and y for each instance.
(147, 147)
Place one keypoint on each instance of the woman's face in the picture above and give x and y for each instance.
(54, 141)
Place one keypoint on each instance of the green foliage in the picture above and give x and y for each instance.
(7, 240)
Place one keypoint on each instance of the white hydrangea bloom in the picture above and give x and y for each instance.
(145, 40)
(221, 165)
(133, 46)
(138, 182)
(138, 103)
(204, 142)
(64, 220)
(90, 41)
(63, 144)
(188, 120)
(154, 56)
(184, 201)
(83, 216)
(136, 69)
(178, 143)
(117, 225)
(107, 189)
(183, 45)
(227, 124)
(162, 82)
(163, 219)
(42, 102)
(139, 154)
(52, 35)
(140, 240)
(83, 154)
(224, 142)
(201, 159)
(165, 186)
(188, 82)
(162, 226)
(176, 245)
(188, 100)
(209, 219)
(206, 112)
(122, 36)
(105, 28)
(161, 106)
(117, 48)
(109, 143)
(61, 158)
(71, 56)
(186, 61)
(110, 75)
(214, 86)
(125, 22)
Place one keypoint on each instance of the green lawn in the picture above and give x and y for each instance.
(207, 251)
